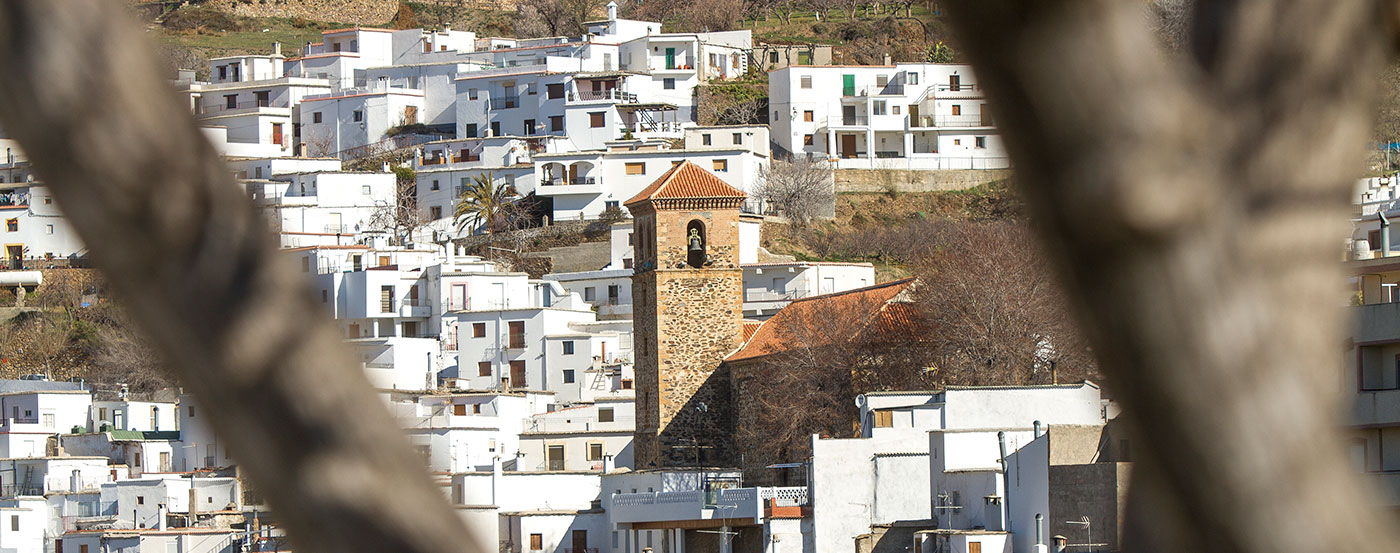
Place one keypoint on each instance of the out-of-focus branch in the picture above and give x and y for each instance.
(183, 247)
(1194, 205)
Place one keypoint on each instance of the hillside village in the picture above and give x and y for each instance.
(607, 327)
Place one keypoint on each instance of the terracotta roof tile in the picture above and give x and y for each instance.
(686, 180)
(809, 319)
(750, 327)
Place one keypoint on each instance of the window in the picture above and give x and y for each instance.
(738, 138)
(495, 128)
(913, 78)
(48, 420)
(884, 419)
(223, 72)
(589, 293)
(459, 409)
(435, 184)
(807, 115)
(613, 292)
(879, 107)
(882, 80)
(705, 139)
(435, 212)
(568, 347)
(626, 263)
(386, 299)
(610, 204)
(230, 101)
(636, 168)
(668, 83)
(807, 139)
(806, 81)
(530, 89)
(471, 93)
(478, 330)
(529, 127)
(325, 296)
(358, 115)
(476, 410)
(773, 57)
(957, 109)
(483, 368)
(720, 165)
(191, 411)
(957, 141)
(894, 109)
(316, 117)
(12, 225)
(536, 542)
(556, 123)
(365, 190)
(517, 374)
(627, 384)
(979, 142)
(605, 414)
(470, 132)
(517, 334)
(595, 452)
(140, 499)
(568, 376)
(554, 91)
(954, 83)
(595, 119)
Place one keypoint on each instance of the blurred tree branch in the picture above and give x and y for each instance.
(1194, 204)
(196, 266)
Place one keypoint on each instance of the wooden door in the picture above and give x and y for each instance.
(410, 115)
(848, 145)
(580, 539)
(354, 331)
(848, 85)
(670, 58)
(277, 134)
(517, 374)
(975, 546)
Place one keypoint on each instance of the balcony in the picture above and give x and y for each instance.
(848, 121)
(244, 107)
(1377, 322)
(9, 199)
(563, 187)
(511, 102)
(417, 311)
(736, 503)
(952, 121)
(859, 92)
(610, 95)
(960, 90)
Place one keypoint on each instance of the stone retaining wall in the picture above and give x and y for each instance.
(902, 180)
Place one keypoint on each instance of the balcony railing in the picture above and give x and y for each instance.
(891, 89)
(223, 106)
(971, 120)
(967, 88)
(848, 121)
(567, 182)
(600, 95)
(14, 199)
(505, 103)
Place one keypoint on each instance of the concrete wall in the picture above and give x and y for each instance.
(883, 180)
(1097, 491)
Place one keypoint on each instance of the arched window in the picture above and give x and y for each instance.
(695, 242)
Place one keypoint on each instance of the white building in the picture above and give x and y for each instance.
(459, 432)
(904, 116)
(145, 416)
(770, 286)
(322, 208)
(39, 476)
(590, 361)
(147, 502)
(932, 454)
(522, 512)
(345, 122)
(502, 345)
(137, 452)
(253, 99)
(35, 234)
(588, 437)
(187, 540)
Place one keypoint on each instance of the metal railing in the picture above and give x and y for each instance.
(597, 95)
(960, 87)
(848, 121)
(970, 120)
(567, 182)
(224, 106)
(510, 102)
(14, 199)
(891, 89)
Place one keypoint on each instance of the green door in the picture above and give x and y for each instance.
(670, 58)
(848, 85)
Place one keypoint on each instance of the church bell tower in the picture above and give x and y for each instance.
(687, 296)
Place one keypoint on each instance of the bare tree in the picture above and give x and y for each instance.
(540, 18)
(801, 189)
(399, 216)
(1204, 269)
(995, 314)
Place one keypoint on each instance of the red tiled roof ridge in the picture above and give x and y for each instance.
(686, 180)
(766, 340)
(896, 282)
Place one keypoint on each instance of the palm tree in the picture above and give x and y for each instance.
(483, 202)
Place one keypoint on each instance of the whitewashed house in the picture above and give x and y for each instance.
(186, 540)
(903, 116)
(263, 167)
(132, 453)
(35, 234)
(122, 414)
(458, 432)
(770, 286)
(253, 99)
(39, 476)
(324, 207)
(587, 437)
(523, 512)
(23, 524)
(148, 502)
(501, 345)
(590, 361)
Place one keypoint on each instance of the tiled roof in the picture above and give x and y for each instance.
(686, 180)
(808, 319)
(751, 327)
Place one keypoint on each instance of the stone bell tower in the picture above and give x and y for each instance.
(687, 297)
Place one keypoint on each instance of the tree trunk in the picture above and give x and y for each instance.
(1195, 208)
(197, 268)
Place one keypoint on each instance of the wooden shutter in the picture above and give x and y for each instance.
(517, 374)
(459, 409)
(884, 419)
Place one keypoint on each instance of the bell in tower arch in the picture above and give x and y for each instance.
(695, 244)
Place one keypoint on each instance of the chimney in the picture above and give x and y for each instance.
(887, 59)
(1037, 435)
(160, 517)
(194, 502)
(612, 10)
(276, 48)
(1385, 235)
(609, 464)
